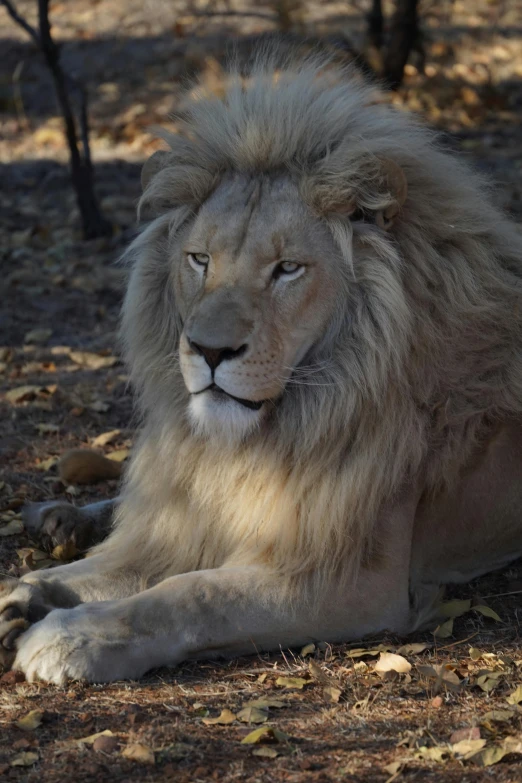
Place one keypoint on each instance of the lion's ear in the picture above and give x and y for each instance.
(157, 161)
(396, 183)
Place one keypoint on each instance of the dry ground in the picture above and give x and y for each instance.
(134, 58)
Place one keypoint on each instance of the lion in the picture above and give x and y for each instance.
(323, 325)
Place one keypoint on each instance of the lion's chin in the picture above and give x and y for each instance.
(221, 416)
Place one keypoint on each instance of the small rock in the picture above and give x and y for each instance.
(469, 733)
(105, 744)
(437, 702)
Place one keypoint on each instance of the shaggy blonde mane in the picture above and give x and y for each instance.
(413, 373)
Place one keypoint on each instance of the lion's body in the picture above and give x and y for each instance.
(364, 436)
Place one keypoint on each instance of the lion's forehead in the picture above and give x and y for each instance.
(261, 218)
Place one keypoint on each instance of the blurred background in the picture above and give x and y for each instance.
(120, 67)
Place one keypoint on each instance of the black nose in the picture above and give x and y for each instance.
(214, 356)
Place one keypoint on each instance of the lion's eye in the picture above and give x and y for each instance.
(198, 261)
(288, 270)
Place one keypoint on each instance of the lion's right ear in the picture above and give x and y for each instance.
(157, 161)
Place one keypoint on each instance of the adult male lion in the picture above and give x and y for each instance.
(324, 325)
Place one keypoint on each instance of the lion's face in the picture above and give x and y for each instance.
(255, 287)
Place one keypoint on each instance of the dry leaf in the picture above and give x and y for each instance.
(65, 551)
(105, 438)
(319, 674)
(292, 683)
(394, 770)
(24, 759)
(444, 630)
(138, 752)
(265, 703)
(467, 748)
(454, 608)
(266, 752)
(390, 662)
(308, 649)
(90, 738)
(38, 336)
(487, 612)
(46, 429)
(118, 456)
(98, 406)
(516, 696)
(488, 756)
(437, 753)
(474, 654)
(13, 528)
(253, 715)
(488, 680)
(92, 360)
(264, 733)
(223, 719)
(495, 753)
(358, 652)
(22, 393)
(332, 694)
(31, 721)
(413, 649)
(498, 716)
(441, 675)
(47, 464)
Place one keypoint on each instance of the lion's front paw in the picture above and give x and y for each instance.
(21, 605)
(84, 643)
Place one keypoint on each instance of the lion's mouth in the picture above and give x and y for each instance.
(219, 392)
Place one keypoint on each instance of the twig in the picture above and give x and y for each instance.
(18, 99)
(15, 16)
(502, 595)
(455, 644)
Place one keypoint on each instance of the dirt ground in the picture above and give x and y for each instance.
(341, 719)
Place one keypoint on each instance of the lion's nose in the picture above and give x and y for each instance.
(214, 356)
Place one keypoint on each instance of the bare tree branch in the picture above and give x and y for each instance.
(93, 223)
(15, 16)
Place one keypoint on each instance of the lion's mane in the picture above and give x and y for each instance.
(423, 361)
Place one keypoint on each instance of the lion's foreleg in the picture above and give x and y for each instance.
(225, 611)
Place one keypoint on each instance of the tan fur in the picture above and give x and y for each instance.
(390, 373)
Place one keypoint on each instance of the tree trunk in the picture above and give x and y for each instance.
(403, 35)
(93, 223)
(375, 25)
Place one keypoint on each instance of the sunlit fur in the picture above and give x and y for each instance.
(421, 361)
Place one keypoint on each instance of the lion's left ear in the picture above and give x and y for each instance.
(157, 161)
(394, 180)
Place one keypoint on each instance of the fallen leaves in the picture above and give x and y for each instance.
(25, 759)
(292, 683)
(263, 734)
(516, 696)
(223, 719)
(28, 393)
(439, 676)
(93, 361)
(37, 336)
(13, 528)
(253, 714)
(140, 753)
(31, 721)
(390, 662)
